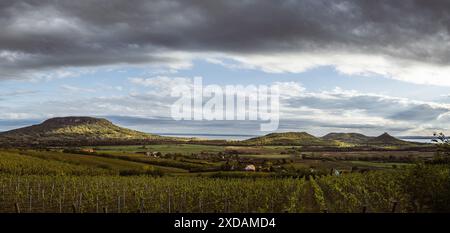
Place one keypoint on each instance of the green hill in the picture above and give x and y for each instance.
(289, 138)
(331, 139)
(74, 130)
(386, 139)
(351, 138)
(81, 131)
(362, 140)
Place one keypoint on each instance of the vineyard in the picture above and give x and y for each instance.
(419, 189)
(38, 181)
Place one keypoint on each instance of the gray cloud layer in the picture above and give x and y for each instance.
(40, 35)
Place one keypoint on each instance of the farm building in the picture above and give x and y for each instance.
(250, 168)
(89, 150)
(154, 154)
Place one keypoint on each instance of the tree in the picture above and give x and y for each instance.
(442, 148)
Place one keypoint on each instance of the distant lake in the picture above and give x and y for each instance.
(422, 140)
(212, 136)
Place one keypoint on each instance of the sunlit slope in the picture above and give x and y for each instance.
(290, 138)
(64, 130)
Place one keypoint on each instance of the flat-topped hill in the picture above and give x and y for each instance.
(63, 130)
(353, 138)
(289, 138)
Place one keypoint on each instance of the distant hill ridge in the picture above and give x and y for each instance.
(74, 130)
(66, 130)
(347, 137)
(331, 139)
(289, 138)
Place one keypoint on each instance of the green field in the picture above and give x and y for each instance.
(268, 156)
(174, 159)
(379, 164)
(202, 178)
(169, 148)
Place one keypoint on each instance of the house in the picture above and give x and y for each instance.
(88, 150)
(155, 154)
(250, 168)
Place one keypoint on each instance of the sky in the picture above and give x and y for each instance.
(342, 66)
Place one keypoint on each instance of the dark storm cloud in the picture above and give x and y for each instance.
(46, 34)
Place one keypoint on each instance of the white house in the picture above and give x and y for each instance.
(250, 168)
